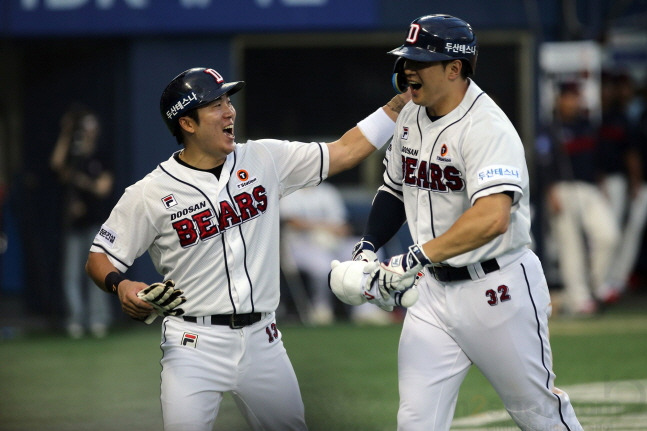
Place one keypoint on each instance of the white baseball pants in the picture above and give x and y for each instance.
(201, 362)
(500, 324)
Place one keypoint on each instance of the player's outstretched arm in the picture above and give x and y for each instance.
(369, 134)
(109, 279)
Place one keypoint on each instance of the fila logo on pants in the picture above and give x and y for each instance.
(189, 339)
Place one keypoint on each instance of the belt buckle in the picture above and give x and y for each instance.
(435, 270)
(232, 322)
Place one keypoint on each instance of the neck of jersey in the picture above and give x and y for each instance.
(215, 171)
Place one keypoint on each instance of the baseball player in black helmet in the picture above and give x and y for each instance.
(190, 90)
(209, 218)
(436, 38)
(456, 173)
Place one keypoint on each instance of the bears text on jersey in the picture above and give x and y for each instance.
(431, 176)
(206, 224)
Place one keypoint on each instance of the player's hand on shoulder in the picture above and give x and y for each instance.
(405, 97)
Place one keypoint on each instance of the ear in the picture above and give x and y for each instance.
(187, 124)
(454, 69)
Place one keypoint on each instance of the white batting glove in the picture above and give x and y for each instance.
(396, 298)
(350, 282)
(347, 280)
(364, 251)
(399, 272)
(164, 298)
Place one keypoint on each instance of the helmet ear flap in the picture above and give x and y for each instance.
(398, 79)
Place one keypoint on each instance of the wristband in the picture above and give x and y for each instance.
(362, 245)
(377, 128)
(112, 281)
(419, 255)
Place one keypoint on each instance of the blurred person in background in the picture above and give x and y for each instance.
(620, 153)
(316, 231)
(614, 145)
(634, 229)
(4, 180)
(87, 185)
(582, 223)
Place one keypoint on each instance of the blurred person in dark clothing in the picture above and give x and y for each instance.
(624, 184)
(614, 145)
(581, 219)
(87, 184)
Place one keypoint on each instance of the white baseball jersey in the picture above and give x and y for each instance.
(218, 239)
(441, 168)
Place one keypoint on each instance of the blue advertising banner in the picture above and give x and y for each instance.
(128, 17)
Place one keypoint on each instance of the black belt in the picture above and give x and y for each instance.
(451, 273)
(234, 321)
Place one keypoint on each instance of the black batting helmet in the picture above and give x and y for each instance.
(192, 89)
(436, 38)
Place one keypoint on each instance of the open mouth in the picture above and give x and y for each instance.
(229, 130)
(415, 85)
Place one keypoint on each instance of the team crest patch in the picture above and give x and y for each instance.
(189, 339)
(405, 133)
(245, 179)
(169, 201)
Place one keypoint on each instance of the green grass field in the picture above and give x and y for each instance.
(347, 376)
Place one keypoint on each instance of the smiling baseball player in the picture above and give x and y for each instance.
(208, 217)
(456, 172)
